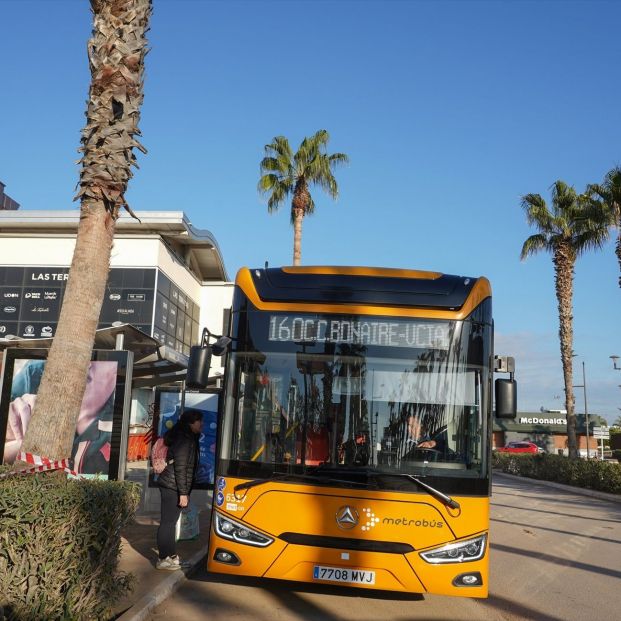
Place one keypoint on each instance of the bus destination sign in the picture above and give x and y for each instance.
(289, 328)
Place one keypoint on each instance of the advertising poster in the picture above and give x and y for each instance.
(102, 409)
(169, 407)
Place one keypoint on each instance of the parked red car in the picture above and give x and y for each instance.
(520, 447)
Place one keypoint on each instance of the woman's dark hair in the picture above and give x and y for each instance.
(189, 416)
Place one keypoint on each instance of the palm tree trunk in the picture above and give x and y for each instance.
(59, 398)
(564, 260)
(298, 216)
(116, 53)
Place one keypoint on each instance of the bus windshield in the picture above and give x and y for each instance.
(314, 394)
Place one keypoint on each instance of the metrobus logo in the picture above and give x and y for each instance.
(403, 521)
(348, 517)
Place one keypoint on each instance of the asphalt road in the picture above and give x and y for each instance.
(555, 556)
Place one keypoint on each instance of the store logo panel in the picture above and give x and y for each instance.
(10, 294)
(40, 304)
(8, 327)
(9, 310)
(133, 306)
(31, 298)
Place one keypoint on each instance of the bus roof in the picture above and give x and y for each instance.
(362, 286)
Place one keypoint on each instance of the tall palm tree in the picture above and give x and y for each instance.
(608, 196)
(566, 231)
(285, 174)
(116, 53)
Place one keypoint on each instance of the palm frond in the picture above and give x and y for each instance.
(537, 212)
(534, 244)
(591, 221)
(321, 138)
(272, 164)
(279, 147)
(591, 239)
(267, 182)
(612, 184)
(337, 159)
(564, 199)
(279, 195)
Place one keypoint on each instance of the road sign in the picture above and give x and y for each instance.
(601, 432)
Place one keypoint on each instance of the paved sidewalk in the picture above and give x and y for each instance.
(139, 555)
(582, 491)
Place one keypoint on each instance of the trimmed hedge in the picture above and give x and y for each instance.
(591, 474)
(60, 543)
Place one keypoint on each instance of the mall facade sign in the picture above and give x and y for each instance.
(31, 298)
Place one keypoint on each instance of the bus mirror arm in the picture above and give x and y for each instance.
(199, 361)
(219, 346)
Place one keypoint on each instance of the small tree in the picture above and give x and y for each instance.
(285, 173)
(566, 231)
(116, 53)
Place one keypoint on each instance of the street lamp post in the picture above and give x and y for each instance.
(586, 411)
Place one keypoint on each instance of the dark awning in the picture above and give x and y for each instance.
(154, 364)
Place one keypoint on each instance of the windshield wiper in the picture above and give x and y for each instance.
(447, 501)
(432, 491)
(281, 476)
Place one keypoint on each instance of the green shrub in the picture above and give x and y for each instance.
(60, 543)
(592, 474)
(617, 454)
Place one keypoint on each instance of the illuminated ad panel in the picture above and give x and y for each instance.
(100, 438)
(167, 412)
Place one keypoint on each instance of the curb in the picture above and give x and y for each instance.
(583, 491)
(164, 589)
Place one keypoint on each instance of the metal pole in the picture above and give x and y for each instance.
(586, 411)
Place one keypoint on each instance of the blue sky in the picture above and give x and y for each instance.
(449, 112)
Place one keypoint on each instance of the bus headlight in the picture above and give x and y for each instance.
(461, 552)
(234, 531)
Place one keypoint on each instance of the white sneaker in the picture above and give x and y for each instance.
(170, 563)
(180, 563)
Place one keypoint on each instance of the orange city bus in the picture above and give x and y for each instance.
(355, 427)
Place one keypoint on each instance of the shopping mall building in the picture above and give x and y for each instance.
(167, 283)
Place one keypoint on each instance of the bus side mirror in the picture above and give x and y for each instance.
(199, 363)
(198, 367)
(506, 398)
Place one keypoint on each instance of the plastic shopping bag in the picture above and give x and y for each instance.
(187, 525)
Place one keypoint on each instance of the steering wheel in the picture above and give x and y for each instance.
(433, 454)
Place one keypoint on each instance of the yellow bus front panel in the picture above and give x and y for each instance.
(364, 539)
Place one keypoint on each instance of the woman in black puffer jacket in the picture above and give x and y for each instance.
(176, 482)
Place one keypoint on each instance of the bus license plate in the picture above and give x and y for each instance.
(343, 574)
